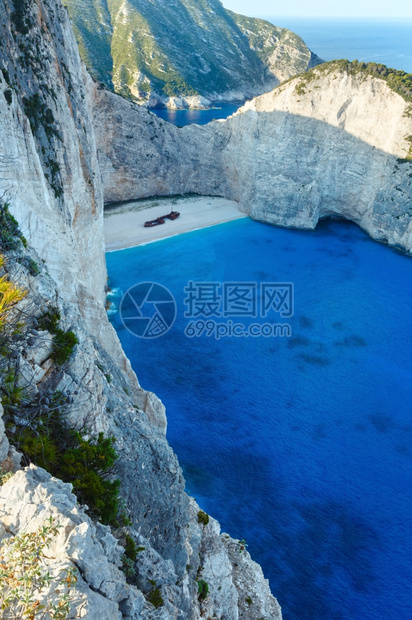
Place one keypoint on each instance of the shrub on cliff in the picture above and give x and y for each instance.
(49, 320)
(63, 345)
(63, 342)
(202, 517)
(27, 589)
(85, 462)
(155, 597)
(10, 295)
(202, 590)
(399, 81)
(86, 466)
(130, 548)
(37, 424)
(10, 233)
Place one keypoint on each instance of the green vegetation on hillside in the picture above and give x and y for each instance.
(37, 421)
(186, 48)
(266, 40)
(399, 81)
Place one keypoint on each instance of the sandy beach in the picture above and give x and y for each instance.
(124, 223)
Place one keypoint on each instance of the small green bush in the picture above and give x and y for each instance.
(10, 233)
(202, 590)
(86, 467)
(248, 600)
(33, 267)
(42, 449)
(6, 76)
(155, 598)
(8, 95)
(4, 475)
(63, 345)
(30, 264)
(50, 443)
(202, 517)
(26, 586)
(130, 548)
(49, 320)
(127, 567)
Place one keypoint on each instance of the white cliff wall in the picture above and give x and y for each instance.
(331, 145)
(49, 171)
(44, 64)
(50, 175)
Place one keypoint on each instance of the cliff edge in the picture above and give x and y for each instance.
(63, 364)
(333, 142)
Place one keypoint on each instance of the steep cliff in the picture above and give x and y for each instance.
(332, 142)
(49, 173)
(184, 52)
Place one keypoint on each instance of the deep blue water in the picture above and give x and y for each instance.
(301, 446)
(200, 117)
(384, 41)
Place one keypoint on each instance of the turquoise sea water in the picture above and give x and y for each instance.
(302, 445)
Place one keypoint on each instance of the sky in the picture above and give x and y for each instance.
(322, 8)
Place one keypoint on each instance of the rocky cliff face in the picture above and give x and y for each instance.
(334, 142)
(184, 53)
(50, 175)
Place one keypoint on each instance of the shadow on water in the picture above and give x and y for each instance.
(313, 548)
(331, 546)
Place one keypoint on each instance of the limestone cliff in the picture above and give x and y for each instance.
(184, 53)
(49, 173)
(334, 142)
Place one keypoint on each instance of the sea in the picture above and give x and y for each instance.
(385, 41)
(299, 444)
(298, 440)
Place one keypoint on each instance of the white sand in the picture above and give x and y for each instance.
(124, 223)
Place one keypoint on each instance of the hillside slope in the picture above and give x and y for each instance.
(184, 52)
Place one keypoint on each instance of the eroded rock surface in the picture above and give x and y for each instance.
(335, 144)
(50, 175)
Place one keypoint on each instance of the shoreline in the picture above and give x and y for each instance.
(124, 222)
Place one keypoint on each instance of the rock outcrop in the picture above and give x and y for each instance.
(334, 142)
(184, 53)
(49, 173)
(30, 498)
(27, 501)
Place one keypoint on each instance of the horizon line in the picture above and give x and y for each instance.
(370, 17)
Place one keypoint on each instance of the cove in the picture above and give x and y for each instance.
(302, 446)
(191, 116)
